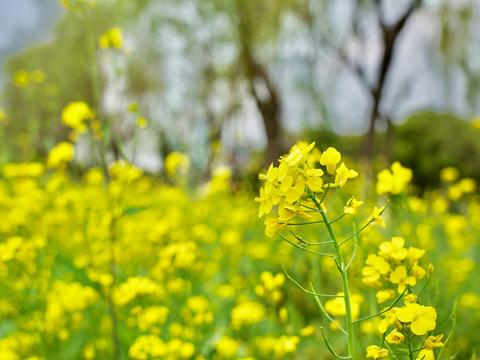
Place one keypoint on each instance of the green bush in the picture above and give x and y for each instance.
(427, 142)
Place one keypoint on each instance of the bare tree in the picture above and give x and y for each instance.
(268, 104)
(390, 35)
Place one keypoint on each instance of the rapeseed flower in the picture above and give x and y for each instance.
(76, 114)
(376, 352)
(420, 318)
(60, 154)
(330, 158)
(394, 180)
(112, 38)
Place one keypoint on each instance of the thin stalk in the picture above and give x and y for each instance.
(330, 348)
(410, 354)
(325, 313)
(390, 307)
(94, 77)
(307, 250)
(305, 223)
(305, 242)
(314, 293)
(345, 284)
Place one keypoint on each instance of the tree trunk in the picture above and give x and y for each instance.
(269, 106)
(390, 35)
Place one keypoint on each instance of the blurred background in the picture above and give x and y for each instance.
(236, 82)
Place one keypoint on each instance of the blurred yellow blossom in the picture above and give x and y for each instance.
(60, 154)
(75, 114)
(112, 38)
(394, 180)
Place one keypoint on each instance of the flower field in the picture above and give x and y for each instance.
(120, 264)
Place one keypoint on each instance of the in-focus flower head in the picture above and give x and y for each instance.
(288, 189)
(421, 319)
(343, 174)
(395, 337)
(352, 206)
(377, 216)
(376, 352)
(330, 158)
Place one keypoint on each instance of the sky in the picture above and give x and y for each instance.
(24, 22)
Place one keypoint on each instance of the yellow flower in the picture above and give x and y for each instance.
(298, 153)
(476, 122)
(60, 154)
(141, 122)
(395, 337)
(433, 342)
(393, 181)
(21, 78)
(384, 295)
(112, 38)
(421, 318)
(418, 272)
(426, 354)
(394, 249)
(288, 188)
(343, 174)
(3, 115)
(400, 277)
(307, 331)
(376, 216)
(372, 273)
(449, 174)
(246, 313)
(336, 307)
(410, 298)
(272, 226)
(330, 158)
(227, 347)
(376, 352)
(314, 179)
(429, 344)
(177, 164)
(389, 319)
(352, 206)
(75, 114)
(415, 254)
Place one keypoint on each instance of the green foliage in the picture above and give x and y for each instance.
(427, 142)
(67, 62)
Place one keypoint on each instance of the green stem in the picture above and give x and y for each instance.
(345, 284)
(410, 354)
(96, 102)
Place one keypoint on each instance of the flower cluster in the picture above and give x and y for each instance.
(393, 264)
(410, 324)
(397, 265)
(23, 78)
(394, 180)
(270, 286)
(300, 175)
